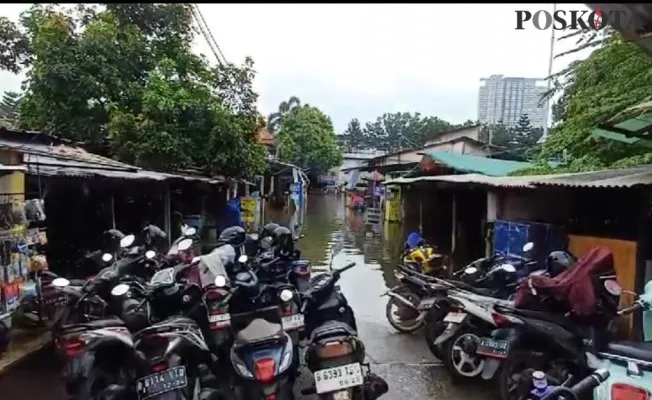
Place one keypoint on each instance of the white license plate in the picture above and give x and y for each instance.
(338, 378)
(456, 317)
(426, 304)
(153, 385)
(219, 320)
(292, 322)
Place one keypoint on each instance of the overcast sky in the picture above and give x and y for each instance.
(361, 61)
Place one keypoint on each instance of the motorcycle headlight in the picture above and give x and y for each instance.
(286, 295)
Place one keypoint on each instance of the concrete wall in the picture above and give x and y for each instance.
(461, 147)
(473, 133)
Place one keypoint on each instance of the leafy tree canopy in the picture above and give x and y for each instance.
(614, 77)
(390, 132)
(9, 105)
(124, 75)
(307, 139)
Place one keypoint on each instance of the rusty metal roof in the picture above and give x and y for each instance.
(613, 178)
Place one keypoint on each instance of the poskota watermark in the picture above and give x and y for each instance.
(574, 19)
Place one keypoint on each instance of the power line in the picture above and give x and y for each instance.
(210, 33)
(207, 34)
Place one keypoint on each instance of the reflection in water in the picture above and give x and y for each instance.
(327, 221)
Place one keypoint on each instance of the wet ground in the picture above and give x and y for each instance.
(403, 360)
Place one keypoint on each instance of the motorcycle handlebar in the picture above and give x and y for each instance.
(582, 387)
(628, 310)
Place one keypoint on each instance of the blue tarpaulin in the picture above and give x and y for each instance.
(230, 216)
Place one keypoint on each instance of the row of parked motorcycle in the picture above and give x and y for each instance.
(225, 325)
(537, 329)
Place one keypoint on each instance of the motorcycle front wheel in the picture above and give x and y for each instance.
(402, 318)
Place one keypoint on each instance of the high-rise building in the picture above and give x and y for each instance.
(504, 100)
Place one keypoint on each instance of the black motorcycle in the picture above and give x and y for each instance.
(335, 354)
(263, 355)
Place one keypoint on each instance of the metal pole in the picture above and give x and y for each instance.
(550, 57)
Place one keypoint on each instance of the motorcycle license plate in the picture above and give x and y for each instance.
(155, 384)
(291, 322)
(219, 320)
(426, 304)
(338, 378)
(455, 317)
(493, 348)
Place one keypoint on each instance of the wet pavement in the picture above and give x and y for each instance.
(402, 359)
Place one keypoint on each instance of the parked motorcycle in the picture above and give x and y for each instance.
(172, 358)
(262, 354)
(553, 325)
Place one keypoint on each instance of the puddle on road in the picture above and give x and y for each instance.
(326, 222)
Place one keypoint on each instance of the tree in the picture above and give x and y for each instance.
(307, 139)
(124, 76)
(9, 105)
(614, 77)
(275, 120)
(354, 136)
(403, 130)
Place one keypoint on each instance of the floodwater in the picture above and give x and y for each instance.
(402, 359)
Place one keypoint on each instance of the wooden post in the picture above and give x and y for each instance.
(167, 213)
(454, 225)
(112, 210)
(262, 200)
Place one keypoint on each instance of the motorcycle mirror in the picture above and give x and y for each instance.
(106, 257)
(163, 277)
(150, 254)
(471, 270)
(195, 260)
(613, 287)
(527, 247)
(60, 282)
(220, 281)
(185, 244)
(508, 268)
(127, 241)
(243, 259)
(120, 289)
(190, 231)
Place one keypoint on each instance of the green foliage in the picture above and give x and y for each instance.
(307, 139)
(9, 105)
(125, 75)
(391, 132)
(613, 78)
(516, 143)
(275, 120)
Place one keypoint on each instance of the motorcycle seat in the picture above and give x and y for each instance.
(258, 330)
(626, 348)
(332, 329)
(558, 319)
(476, 290)
(97, 324)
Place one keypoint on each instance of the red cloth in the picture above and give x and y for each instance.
(573, 290)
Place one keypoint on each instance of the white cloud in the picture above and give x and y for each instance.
(355, 60)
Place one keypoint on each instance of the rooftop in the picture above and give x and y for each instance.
(476, 164)
(611, 178)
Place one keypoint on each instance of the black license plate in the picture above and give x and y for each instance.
(493, 348)
(170, 379)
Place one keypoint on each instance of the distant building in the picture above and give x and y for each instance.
(266, 139)
(504, 100)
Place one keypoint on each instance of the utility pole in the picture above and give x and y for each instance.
(550, 57)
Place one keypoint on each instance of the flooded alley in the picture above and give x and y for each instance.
(402, 359)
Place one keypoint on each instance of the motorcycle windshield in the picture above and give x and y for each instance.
(214, 264)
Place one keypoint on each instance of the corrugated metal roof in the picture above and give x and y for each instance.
(477, 164)
(623, 178)
(51, 166)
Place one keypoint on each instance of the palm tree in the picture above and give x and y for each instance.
(274, 120)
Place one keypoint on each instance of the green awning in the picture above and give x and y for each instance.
(476, 164)
(628, 131)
